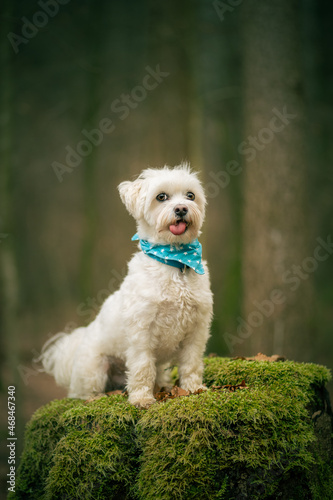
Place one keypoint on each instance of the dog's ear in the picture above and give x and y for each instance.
(131, 195)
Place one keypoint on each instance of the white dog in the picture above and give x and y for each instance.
(162, 312)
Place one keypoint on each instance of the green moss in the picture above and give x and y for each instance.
(97, 456)
(41, 436)
(283, 376)
(195, 443)
(259, 442)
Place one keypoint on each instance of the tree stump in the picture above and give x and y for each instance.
(262, 430)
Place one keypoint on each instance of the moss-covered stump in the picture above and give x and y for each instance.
(77, 450)
(271, 440)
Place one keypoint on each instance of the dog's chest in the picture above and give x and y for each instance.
(179, 303)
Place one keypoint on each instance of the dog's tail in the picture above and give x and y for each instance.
(58, 354)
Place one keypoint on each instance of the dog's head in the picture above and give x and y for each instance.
(168, 204)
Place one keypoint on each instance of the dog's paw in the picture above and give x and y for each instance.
(191, 386)
(144, 403)
(141, 401)
(196, 388)
(201, 388)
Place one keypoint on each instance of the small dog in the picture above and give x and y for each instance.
(162, 312)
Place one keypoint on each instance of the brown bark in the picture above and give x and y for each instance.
(276, 235)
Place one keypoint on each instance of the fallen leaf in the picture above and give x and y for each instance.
(230, 387)
(175, 392)
(161, 396)
(178, 391)
(118, 391)
(199, 391)
(94, 398)
(262, 357)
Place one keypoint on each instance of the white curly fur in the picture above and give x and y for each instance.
(158, 316)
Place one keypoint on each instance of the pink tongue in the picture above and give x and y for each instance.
(178, 229)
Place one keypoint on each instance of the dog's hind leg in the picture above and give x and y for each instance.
(90, 373)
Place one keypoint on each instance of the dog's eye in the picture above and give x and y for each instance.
(190, 196)
(162, 197)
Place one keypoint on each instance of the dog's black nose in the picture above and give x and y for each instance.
(181, 210)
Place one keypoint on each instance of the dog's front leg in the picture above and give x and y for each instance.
(141, 373)
(190, 360)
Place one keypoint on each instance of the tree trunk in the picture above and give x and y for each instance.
(277, 248)
(9, 279)
(95, 47)
(171, 44)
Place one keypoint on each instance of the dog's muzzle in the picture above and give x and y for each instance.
(180, 225)
(180, 211)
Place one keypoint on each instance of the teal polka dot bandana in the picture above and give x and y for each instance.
(182, 256)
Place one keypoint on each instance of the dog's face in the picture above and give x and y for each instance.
(168, 204)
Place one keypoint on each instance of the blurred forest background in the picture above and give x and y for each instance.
(92, 93)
